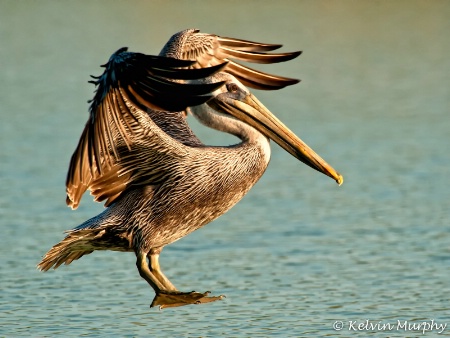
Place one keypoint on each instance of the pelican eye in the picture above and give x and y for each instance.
(232, 87)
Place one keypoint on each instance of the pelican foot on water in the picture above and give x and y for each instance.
(166, 299)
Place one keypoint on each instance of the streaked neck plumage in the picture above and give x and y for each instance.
(249, 135)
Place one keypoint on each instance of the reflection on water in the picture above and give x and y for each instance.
(298, 253)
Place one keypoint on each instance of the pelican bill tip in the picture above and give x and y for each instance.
(339, 179)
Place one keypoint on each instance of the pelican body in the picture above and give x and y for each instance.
(159, 181)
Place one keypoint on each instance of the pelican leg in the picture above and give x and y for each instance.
(156, 271)
(166, 293)
(145, 273)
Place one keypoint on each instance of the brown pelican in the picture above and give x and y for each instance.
(160, 182)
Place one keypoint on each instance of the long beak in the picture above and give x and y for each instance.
(249, 110)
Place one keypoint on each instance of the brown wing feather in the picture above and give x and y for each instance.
(143, 159)
(131, 82)
(210, 50)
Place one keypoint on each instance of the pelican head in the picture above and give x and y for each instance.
(235, 100)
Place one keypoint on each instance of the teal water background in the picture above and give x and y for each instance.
(298, 253)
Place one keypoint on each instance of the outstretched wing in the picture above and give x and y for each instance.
(131, 82)
(149, 157)
(210, 50)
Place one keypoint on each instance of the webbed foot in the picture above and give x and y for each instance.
(166, 299)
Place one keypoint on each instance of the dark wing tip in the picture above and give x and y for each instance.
(259, 80)
(247, 45)
(135, 69)
(259, 57)
(121, 50)
(188, 74)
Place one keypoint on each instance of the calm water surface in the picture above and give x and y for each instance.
(298, 253)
